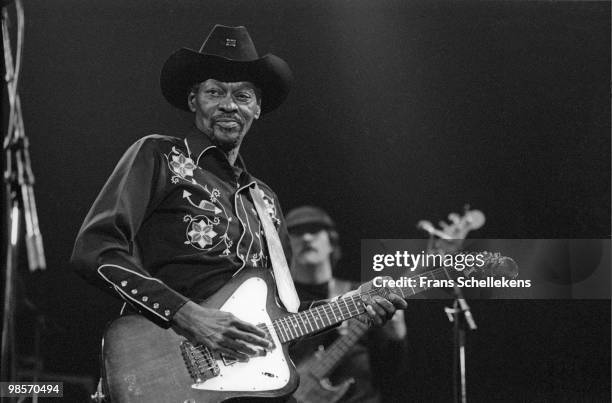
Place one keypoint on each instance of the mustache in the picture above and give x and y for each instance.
(306, 248)
(227, 117)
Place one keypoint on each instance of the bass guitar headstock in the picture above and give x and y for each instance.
(449, 237)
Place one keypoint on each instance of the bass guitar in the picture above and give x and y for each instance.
(315, 385)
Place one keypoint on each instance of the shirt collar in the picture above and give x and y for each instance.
(200, 147)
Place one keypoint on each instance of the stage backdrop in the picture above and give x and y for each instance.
(401, 111)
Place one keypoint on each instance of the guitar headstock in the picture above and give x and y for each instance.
(450, 236)
(461, 225)
(495, 265)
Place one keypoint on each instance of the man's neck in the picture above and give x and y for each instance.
(312, 273)
(232, 154)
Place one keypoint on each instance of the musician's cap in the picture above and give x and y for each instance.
(228, 54)
(308, 215)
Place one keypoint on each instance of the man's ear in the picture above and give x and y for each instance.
(258, 110)
(191, 100)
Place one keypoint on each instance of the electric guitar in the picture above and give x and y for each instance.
(315, 385)
(145, 363)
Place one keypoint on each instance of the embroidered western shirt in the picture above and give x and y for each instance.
(173, 222)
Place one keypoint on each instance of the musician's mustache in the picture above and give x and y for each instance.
(227, 118)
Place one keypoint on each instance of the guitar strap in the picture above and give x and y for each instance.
(284, 282)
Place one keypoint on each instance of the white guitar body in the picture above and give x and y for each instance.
(144, 363)
(266, 372)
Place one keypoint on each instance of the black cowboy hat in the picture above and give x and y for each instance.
(228, 54)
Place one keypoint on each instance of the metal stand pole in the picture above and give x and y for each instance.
(18, 180)
(460, 315)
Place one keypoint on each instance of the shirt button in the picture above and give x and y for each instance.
(123, 283)
(134, 291)
(167, 312)
(155, 305)
(145, 298)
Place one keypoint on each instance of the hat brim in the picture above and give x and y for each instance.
(186, 67)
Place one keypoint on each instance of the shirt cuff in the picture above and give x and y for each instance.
(149, 296)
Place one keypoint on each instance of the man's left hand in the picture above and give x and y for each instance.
(381, 309)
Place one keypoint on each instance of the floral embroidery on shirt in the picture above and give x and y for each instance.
(201, 233)
(182, 166)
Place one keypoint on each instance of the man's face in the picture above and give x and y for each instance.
(310, 244)
(225, 111)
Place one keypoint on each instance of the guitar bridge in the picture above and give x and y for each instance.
(199, 361)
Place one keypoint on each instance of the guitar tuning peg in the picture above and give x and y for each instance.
(454, 218)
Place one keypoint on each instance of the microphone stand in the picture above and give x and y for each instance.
(460, 315)
(19, 195)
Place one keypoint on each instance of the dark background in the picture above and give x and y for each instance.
(401, 111)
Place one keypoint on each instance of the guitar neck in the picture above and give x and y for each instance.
(295, 326)
(337, 350)
(440, 273)
(313, 320)
(356, 329)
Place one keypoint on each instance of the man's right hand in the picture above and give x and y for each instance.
(220, 331)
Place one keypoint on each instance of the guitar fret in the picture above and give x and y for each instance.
(293, 323)
(299, 319)
(346, 305)
(336, 311)
(321, 317)
(359, 308)
(282, 332)
(317, 319)
(304, 321)
(300, 324)
(332, 311)
(417, 289)
(340, 307)
(355, 307)
(287, 327)
(311, 320)
(278, 332)
(308, 322)
(355, 304)
(292, 327)
(328, 319)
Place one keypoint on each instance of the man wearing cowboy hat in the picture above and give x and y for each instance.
(178, 217)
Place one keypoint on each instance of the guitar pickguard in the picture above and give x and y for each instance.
(262, 373)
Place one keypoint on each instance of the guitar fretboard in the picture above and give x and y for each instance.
(292, 327)
(436, 274)
(315, 319)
